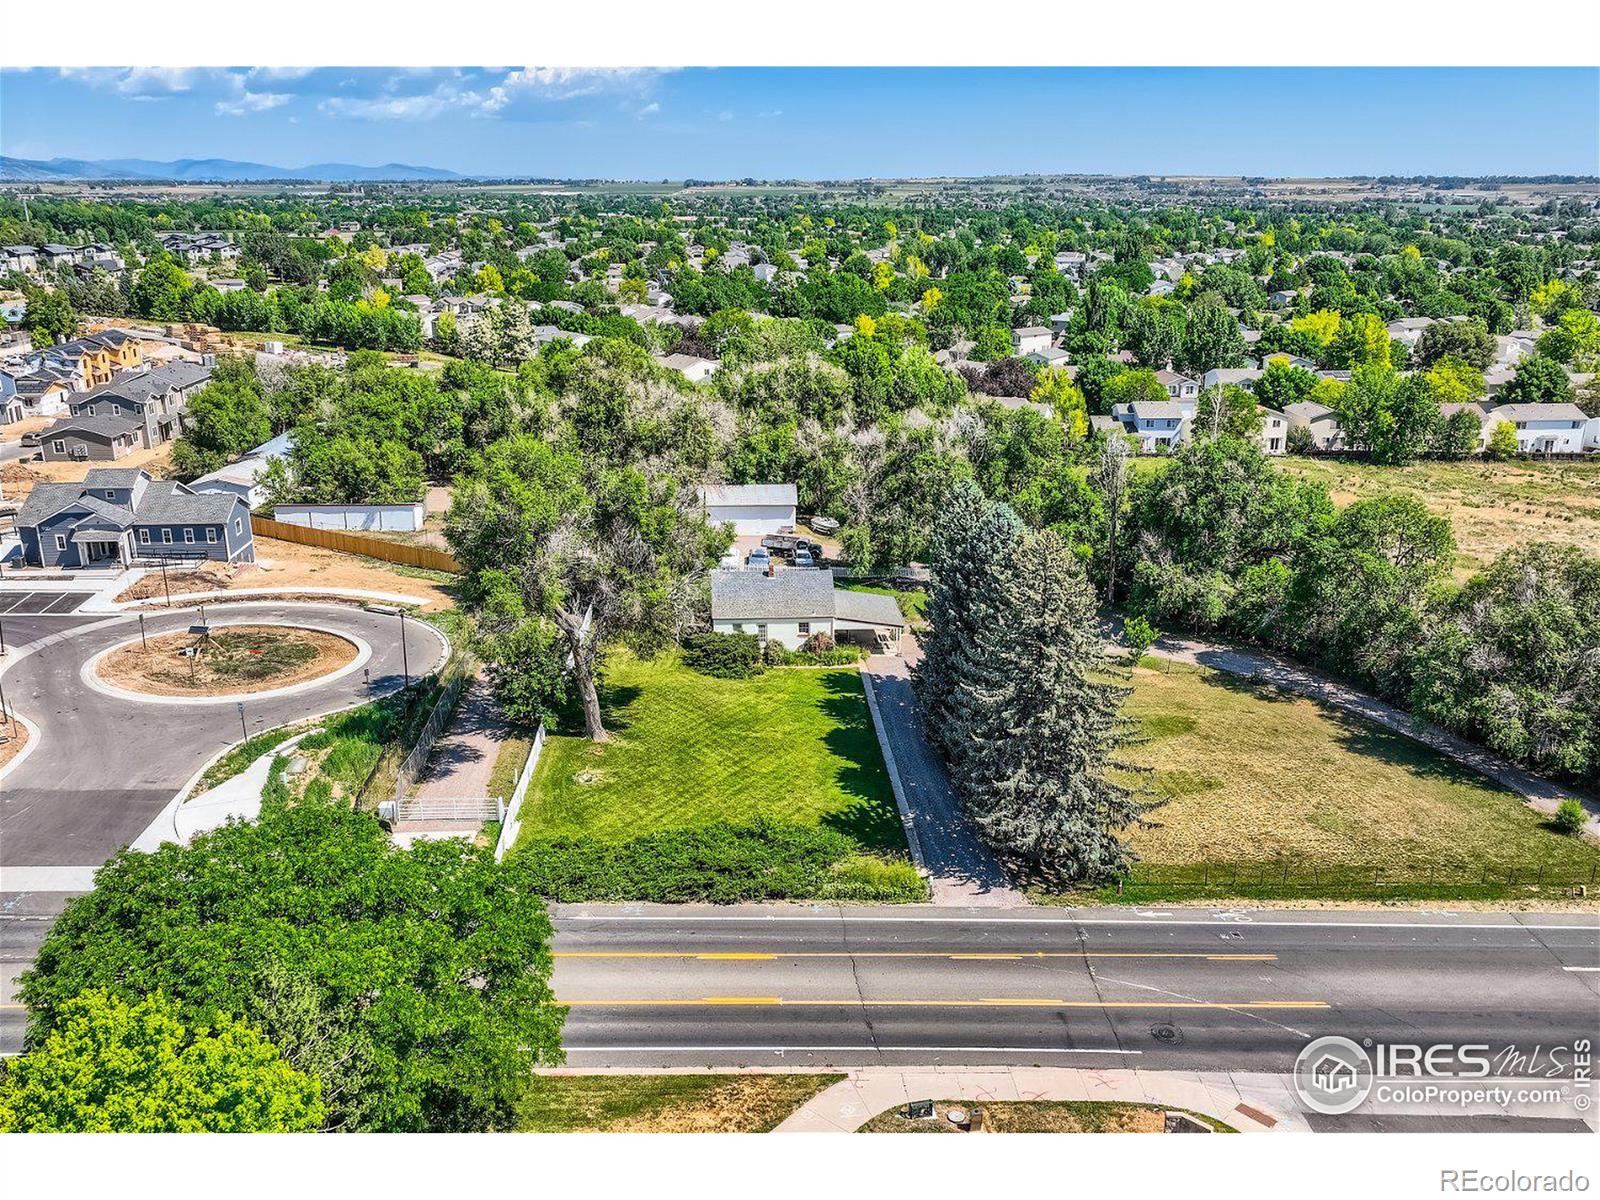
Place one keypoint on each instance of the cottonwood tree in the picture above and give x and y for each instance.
(1111, 480)
(1038, 712)
(604, 554)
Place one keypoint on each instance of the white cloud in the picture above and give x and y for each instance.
(247, 102)
(769, 113)
(649, 109)
(724, 115)
(141, 82)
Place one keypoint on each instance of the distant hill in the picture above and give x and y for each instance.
(206, 170)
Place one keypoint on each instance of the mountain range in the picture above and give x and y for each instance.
(207, 170)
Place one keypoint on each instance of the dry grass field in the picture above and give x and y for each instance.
(1491, 506)
(1253, 776)
(665, 1103)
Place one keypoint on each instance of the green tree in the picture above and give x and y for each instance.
(413, 984)
(1515, 660)
(1041, 714)
(113, 1066)
(527, 669)
(1211, 340)
(603, 554)
(1468, 340)
(1502, 441)
(1538, 380)
(1393, 417)
(49, 317)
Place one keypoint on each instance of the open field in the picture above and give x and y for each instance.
(1492, 506)
(793, 744)
(665, 1103)
(1258, 779)
(1040, 1116)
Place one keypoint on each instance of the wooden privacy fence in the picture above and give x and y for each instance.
(356, 543)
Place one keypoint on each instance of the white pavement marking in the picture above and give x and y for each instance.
(852, 1049)
(47, 879)
(1580, 968)
(974, 918)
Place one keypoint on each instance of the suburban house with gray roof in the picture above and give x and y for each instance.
(1158, 424)
(793, 604)
(153, 401)
(119, 515)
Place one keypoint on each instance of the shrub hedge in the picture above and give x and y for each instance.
(721, 863)
(723, 655)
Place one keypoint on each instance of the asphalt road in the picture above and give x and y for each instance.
(104, 767)
(1188, 990)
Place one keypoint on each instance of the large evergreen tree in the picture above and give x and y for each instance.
(970, 544)
(1040, 720)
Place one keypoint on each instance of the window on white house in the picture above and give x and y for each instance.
(188, 535)
(761, 631)
(805, 628)
(211, 533)
(166, 537)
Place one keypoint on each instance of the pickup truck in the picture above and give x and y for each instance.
(783, 545)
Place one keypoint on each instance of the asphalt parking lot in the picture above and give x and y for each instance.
(42, 603)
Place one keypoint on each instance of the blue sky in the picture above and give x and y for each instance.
(821, 123)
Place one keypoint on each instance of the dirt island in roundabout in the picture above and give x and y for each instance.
(224, 660)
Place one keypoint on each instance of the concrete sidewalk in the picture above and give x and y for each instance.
(1250, 1103)
(463, 758)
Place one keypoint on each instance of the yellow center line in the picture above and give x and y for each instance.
(985, 1002)
(954, 956)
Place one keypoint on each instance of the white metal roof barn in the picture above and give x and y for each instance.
(751, 507)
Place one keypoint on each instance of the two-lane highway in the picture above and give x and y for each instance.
(1187, 989)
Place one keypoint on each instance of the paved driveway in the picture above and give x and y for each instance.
(961, 869)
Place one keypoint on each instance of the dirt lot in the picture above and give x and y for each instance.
(16, 737)
(237, 658)
(19, 478)
(289, 564)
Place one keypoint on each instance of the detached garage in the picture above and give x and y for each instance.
(751, 508)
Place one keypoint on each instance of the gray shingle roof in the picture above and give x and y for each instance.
(755, 596)
(867, 607)
(112, 477)
(105, 425)
(165, 500)
(140, 387)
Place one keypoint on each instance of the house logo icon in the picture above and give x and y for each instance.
(1333, 1075)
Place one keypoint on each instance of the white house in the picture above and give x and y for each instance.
(243, 478)
(1274, 430)
(1544, 428)
(751, 508)
(1326, 433)
(793, 604)
(1158, 424)
(1179, 387)
(691, 367)
(1031, 339)
(1049, 357)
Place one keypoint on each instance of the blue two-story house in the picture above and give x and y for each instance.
(120, 515)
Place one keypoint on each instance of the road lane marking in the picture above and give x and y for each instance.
(956, 956)
(1580, 968)
(974, 919)
(834, 1049)
(985, 1002)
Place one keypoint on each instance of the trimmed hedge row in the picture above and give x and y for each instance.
(719, 863)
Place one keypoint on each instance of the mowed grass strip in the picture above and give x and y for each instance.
(794, 745)
(1252, 775)
(665, 1103)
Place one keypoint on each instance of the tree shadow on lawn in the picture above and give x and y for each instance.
(1356, 735)
(872, 818)
(616, 711)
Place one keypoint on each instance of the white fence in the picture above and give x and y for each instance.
(402, 518)
(511, 822)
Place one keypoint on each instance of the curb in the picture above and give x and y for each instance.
(906, 818)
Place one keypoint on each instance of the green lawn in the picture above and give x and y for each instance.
(792, 744)
(665, 1103)
(1257, 778)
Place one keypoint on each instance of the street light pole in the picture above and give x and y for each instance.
(143, 641)
(405, 659)
(164, 582)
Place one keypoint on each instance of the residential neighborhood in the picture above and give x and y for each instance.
(494, 645)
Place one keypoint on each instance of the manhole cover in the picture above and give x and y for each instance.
(1170, 1034)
